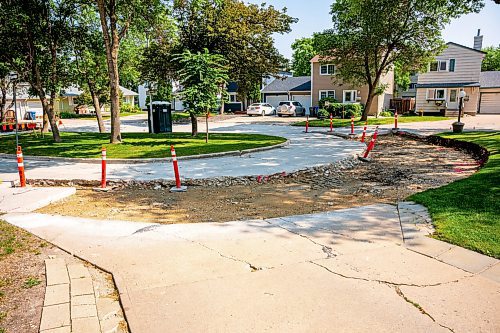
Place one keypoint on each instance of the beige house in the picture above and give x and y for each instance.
(66, 102)
(323, 84)
(457, 68)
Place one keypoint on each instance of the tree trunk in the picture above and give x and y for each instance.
(194, 124)
(48, 110)
(114, 81)
(111, 38)
(369, 102)
(97, 106)
(206, 120)
(45, 124)
(222, 100)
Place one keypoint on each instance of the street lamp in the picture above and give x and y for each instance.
(13, 78)
(458, 126)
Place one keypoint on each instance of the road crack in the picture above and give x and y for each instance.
(420, 308)
(252, 267)
(326, 249)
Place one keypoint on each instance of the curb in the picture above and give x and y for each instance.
(30, 158)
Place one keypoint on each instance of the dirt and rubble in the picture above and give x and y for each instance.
(400, 167)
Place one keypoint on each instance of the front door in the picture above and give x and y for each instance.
(453, 99)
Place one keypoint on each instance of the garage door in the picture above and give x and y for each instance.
(305, 100)
(275, 100)
(490, 103)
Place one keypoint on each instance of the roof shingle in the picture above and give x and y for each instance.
(490, 79)
(299, 83)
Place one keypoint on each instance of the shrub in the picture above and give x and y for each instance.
(343, 111)
(70, 115)
(322, 113)
(386, 114)
(129, 108)
(330, 100)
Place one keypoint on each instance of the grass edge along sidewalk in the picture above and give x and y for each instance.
(467, 212)
(135, 145)
(371, 121)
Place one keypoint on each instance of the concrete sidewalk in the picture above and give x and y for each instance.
(352, 270)
(28, 199)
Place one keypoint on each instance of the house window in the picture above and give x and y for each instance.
(326, 93)
(232, 98)
(412, 86)
(453, 95)
(436, 94)
(327, 70)
(349, 96)
(452, 65)
(439, 66)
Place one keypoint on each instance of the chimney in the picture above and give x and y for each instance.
(478, 41)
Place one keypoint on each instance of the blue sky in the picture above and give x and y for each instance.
(313, 17)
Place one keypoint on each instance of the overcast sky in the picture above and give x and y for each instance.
(314, 16)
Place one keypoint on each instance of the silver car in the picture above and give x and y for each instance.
(291, 108)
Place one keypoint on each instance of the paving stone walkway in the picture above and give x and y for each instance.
(77, 301)
(365, 269)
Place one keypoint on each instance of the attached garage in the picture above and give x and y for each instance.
(489, 100)
(275, 99)
(490, 103)
(305, 100)
(294, 88)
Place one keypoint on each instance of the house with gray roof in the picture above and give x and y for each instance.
(288, 88)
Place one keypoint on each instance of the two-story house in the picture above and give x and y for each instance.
(457, 68)
(324, 84)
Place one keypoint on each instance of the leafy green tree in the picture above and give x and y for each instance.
(117, 19)
(303, 52)
(202, 76)
(369, 36)
(241, 33)
(401, 78)
(38, 34)
(89, 68)
(491, 61)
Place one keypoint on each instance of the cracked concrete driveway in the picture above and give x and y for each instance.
(355, 270)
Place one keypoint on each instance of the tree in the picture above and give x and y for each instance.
(241, 33)
(38, 35)
(202, 75)
(369, 36)
(89, 69)
(303, 52)
(117, 18)
(401, 78)
(491, 61)
(5, 85)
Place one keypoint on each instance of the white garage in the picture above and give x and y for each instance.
(305, 100)
(274, 100)
(298, 88)
(489, 100)
(490, 103)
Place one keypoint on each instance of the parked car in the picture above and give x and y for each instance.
(291, 108)
(261, 109)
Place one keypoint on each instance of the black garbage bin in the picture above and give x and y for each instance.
(161, 119)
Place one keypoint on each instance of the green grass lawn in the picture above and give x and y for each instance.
(371, 121)
(135, 145)
(467, 212)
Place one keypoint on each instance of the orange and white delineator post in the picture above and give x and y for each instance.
(20, 166)
(370, 145)
(103, 168)
(178, 187)
(307, 124)
(352, 126)
(331, 122)
(395, 121)
(364, 132)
